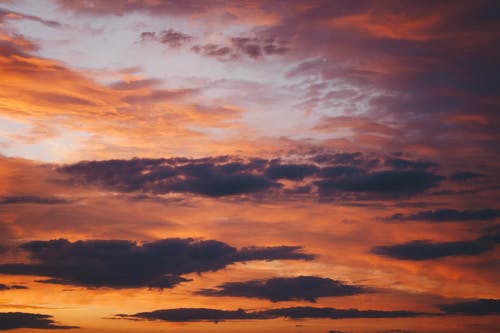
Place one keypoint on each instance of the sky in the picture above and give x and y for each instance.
(283, 166)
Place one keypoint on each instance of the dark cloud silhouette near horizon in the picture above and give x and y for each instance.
(16, 320)
(447, 215)
(126, 264)
(480, 307)
(295, 313)
(307, 288)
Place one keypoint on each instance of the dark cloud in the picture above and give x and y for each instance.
(229, 175)
(275, 49)
(170, 37)
(341, 171)
(304, 312)
(466, 175)
(393, 182)
(120, 175)
(238, 48)
(222, 185)
(214, 315)
(307, 288)
(32, 200)
(11, 287)
(215, 50)
(195, 314)
(13, 320)
(211, 177)
(491, 234)
(291, 171)
(248, 46)
(126, 264)
(354, 159)
(447, 215)
(479, 307)
(405, 164)
(425, 250)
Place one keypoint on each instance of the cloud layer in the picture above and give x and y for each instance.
(230, 175)
(126, 264)
(307, 288)
(214, 315)
(14, 320)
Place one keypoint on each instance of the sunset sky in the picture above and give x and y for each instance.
(274, 166)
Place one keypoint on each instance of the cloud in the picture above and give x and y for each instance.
(237, 48)
(6, 14)
(126, 264)
(447, 215)
(255, 47)
(303, 312)
(214, 50)
(394, 182)
(307, 288)
(405, 164)
(9, 200)
(466, 175)
(170, 37)
(220, 176)
(291, 171)
(13, 320)
(353, 159)
(222, 185)
(415, 97)
(62, 97)
(425, 250)
(480, 307)
(207, 177)
(135, 84)
(11, 287)
(341, 171)
(121, 7)
(214, 315)
(195, 314)
(158, 95)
